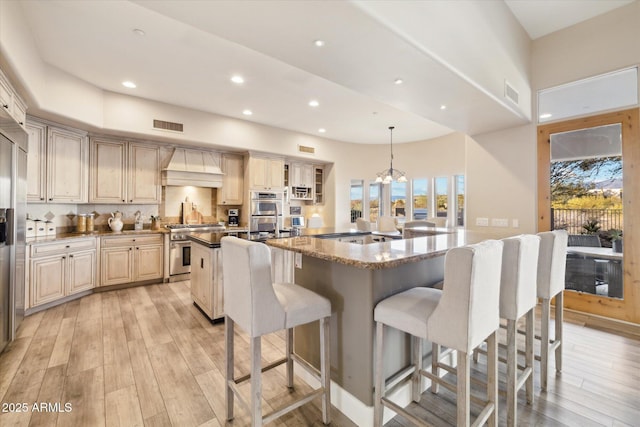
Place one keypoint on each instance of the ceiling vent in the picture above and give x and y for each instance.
(174, 127)
(305, 149)
(510, 93)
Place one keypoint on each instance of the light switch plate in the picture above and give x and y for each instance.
(499, 222)
(482, 222)
(298, 260)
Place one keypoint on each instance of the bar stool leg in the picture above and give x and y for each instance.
(529, 353)
(544, 343)
(463, 389)
(492, 378)
(416, 361)
(512, 374)
(228, 361)
(379, 391)
(325, 371)
(558, 323)
(435, 370)
(256, 382)
(289, 350)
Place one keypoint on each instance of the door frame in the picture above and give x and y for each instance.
(627, 309)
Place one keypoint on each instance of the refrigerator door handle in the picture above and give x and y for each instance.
(10, 226)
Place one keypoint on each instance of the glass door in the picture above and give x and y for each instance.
(587, 182)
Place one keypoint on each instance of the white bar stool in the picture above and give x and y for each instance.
(260, 307)
(551, 274)
(459, 317)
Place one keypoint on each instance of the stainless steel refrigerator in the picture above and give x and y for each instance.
(13, 162)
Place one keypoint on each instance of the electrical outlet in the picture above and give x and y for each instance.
(515, 223)
(482, 222)
(298, 260)
(499, 222)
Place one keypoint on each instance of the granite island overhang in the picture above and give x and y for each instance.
(355, 277)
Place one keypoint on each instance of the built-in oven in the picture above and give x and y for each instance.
(180, 247)
(180, 257)
(266, 212)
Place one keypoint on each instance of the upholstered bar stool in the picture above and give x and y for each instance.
(551, 274)
(459, 317)
(260, 307)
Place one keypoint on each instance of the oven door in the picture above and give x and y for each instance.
(266, 208)
(265, 224)
(180, 256)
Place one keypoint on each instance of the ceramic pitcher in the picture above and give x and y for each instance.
(115, 222)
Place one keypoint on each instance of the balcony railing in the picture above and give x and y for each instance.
(573, 219)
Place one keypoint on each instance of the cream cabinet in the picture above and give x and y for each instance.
(301, 175)
(57, 164)
(124, 172)
(266, 173)
(11, 102)
(318, 189)
(60, 269)
(232, 191)
(206, 280)
(131, 258)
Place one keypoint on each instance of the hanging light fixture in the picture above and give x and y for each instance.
(391, 174)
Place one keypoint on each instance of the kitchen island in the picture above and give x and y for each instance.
(355, 277)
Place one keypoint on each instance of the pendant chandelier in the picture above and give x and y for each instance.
(391, 174)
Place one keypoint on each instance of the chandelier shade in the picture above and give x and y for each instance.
(388, 175)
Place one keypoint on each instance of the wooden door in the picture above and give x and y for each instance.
(627, 308)
(148, 262)
(276, 174)
(116, 265)
(36, 162)
(144, 174)
(67, 168)
(81, 272)
(232, 181)
(258, 173)
(47, 279)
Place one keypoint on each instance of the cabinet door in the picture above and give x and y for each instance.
(148, 263)
(144, 174)
(108, 166)
(258, 173)
(82, 271)
(318, 189)
(47, 279)
(218, 294)
(116, 265)
(276, 174)
(36, 162)
(67, 158)
(307, 176)
(202, 278)
(233, 180)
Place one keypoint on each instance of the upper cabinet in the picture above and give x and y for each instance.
(232, 190)
(57, 162)
(266, 173)
(11, 102)
(124, 172)
(301, 175)
(318, 190)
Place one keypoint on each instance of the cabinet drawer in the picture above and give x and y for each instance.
(143, 239)
(41, 249)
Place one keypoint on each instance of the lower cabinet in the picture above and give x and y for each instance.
(60, 269)
(128, 259)
(206, 280)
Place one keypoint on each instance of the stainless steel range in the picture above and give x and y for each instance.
(180, 247)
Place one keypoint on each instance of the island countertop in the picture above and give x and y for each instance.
(379, 255)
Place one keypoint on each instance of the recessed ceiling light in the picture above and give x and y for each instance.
(318, 43)
(237, 79)
(443, 107)
(545, 115)
(313, 103)
(139, 32)
(322, 130)
(398, 81)
(247, 112)
(129, 84)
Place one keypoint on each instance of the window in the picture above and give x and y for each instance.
(442, 196)
(420, 198)
(399, 199)
(459, 180)
(375, 202)
(357, 200)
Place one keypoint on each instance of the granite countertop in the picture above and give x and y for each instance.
(208, 239)
(100, 233)
(380, 255)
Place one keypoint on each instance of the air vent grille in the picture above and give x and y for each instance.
(510, 93)
(305, 149)
(161, 124)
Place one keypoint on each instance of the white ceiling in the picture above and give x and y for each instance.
(191, 49)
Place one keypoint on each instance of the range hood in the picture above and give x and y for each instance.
(193, 167)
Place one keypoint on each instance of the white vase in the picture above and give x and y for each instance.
(115, 224)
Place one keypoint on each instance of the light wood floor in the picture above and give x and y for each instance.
(147, 356)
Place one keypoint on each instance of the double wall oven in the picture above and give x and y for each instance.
(266, 214)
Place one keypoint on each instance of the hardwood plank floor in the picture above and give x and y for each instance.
(147, 356)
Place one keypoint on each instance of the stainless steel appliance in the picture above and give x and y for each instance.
(180, 247)
(13, 143)
(266, 212)
(233, 217)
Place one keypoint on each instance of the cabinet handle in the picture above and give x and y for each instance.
(137, 248)
(131, 201)
(123, 200)
(41, 198)
(64, 257)
(70, 256)
(5, 105)
(67, 246)
(51, 199)
(21, 123)
(130, 249)
(201, 262)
